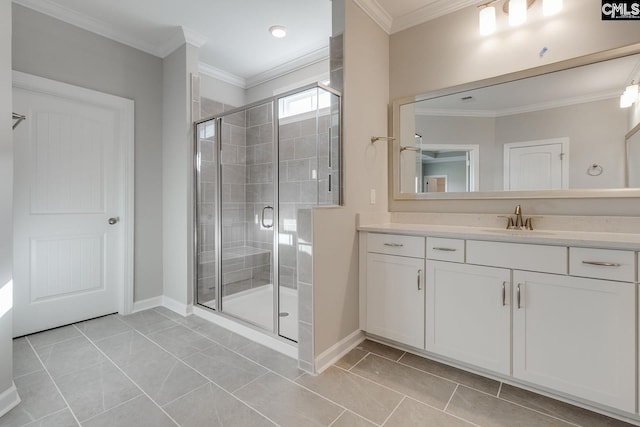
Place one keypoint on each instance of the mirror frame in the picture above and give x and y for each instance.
(394, 144)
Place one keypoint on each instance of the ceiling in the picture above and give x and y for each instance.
(235, 45)
(602, 80)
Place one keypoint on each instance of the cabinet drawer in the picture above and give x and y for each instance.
(602, 264)
(395, 244)
(518, 256)
(445, 249)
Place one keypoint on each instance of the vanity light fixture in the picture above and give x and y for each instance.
(278, 31)
(629, 96)
(487, 19)
(517, 11)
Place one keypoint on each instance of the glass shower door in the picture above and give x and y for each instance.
(248, 215)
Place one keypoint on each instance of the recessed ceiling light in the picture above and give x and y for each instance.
(278, 31)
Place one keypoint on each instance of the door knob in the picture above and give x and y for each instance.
(112, 221)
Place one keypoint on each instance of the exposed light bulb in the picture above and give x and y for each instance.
(487, 20)
(629, 96)
(278, 31)
(551, 7)
(517, 12)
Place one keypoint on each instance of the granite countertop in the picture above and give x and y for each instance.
(545, 237)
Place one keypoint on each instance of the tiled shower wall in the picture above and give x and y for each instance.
(247, 257)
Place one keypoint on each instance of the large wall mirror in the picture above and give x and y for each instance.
(547, 132)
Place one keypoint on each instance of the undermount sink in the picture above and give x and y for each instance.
(514, 232)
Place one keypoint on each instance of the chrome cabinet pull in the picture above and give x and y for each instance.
(602, 264)
(419, 284)
(264, 224)
(394, 245)
(114, 220)
(518, 296)
(504, 293)
(445, 249)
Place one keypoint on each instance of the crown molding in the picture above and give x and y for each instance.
(181, 36)
(171, 44)
(566, 102)
(426, 13)
(193, 37)
(377, 13)
(225, 76)
(431, 11)
(318, 55)
(88, 23)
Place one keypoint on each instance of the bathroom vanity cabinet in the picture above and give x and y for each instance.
(395, 267)
(558, 317)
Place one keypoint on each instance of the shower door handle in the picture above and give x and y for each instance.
(264, 224)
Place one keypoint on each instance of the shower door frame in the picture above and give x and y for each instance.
(274, 100)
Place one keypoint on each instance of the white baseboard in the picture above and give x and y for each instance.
(273, 343)
(338, 350)
(146, 304)
(9, 399)
(177, 306)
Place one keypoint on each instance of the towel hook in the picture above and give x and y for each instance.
(595, 170)
(384, 138)
(18, 119)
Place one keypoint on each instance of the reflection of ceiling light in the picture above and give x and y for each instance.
(517, 11)
(278, 31)
(629, 96)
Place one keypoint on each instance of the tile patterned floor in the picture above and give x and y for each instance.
(155, 368)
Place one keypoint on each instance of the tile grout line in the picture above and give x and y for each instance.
(499, 390)
(391, 389)
(539, 412)
(354, 365)
(337, 418)
(116, 406)
(416, 400)
(450, 398)
(404, 397)
(54, 382)
(346, 370)
(127, 376)
(209, 379)
(449, 379)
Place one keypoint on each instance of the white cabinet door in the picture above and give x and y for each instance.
(395, 298)
(468, 314)
(576, 336)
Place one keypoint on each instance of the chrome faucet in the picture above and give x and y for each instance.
(519, 223)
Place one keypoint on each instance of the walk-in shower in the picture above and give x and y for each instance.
(259, 170)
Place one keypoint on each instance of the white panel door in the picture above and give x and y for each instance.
(68, 186)
(469, 314)
(576, 336)
(536, 165)
(395, 298)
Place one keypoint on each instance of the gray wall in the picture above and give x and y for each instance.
(596, 132)
(6, 206)
(335, 243)
(448, 51)
(49, 48)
